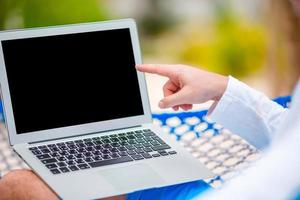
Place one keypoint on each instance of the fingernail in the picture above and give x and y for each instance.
(161, 104)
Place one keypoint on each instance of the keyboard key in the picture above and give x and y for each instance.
(115, 144)
(155, 143)
(89, 148)
(121, 149)
(45, 150)
(172, 152)
(156, 155)
(114, 155)
(63, 153)
(96, 138)
(123, 138)
(111, 162)
(98, 142)
(123, 153)
(139, 135)
(64, 169)
(146, 155)
(70, 157)
(79, 155)
(72, 146)
(96, 153)
(147, 134)
(60, 144)
(146, 130)
(81, 150)
(72, 151)
(139, 131)
(36, 152)
(55, 171)
(87, 154)
(106, 141)
(49, 161)
(73, 168)
(88, 160)
(87, 140)
(147, 144)
(147, 149)
(96, 158)
(113, 150)
(42, 147)
(161, 147)
(54, 154)
(54, 149)
(130, 137)
(130, 147)
(33, 148)
(43, 156)
(61, 164)
(139, 151)
(137, 157)
(106, 146)
(63, 148)
(79, 161)
(106, 156)
(163, 153)
(83, 166)
(78, 141)
(140, 140)
(138, 145)
(51, 166)
(98, 147)
(71, 162)
(61, 158)
(89, 144)
(80, 145)
(105, 151)
(131, 152)
(114, 139)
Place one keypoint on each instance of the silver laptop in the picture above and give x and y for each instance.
(77, 111)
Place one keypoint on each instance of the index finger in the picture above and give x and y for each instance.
(163, 70)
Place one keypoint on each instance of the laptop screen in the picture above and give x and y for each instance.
(72, 79)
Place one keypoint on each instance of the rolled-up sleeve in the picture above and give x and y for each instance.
(248, 113)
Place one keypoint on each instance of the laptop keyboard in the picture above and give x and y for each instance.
(100, 151)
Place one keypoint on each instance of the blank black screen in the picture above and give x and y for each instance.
(64, 80)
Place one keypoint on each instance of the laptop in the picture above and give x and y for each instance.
(78, 114)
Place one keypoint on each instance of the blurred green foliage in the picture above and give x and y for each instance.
(228, 45)
(57, 12)
(38, 13)
(233, 46)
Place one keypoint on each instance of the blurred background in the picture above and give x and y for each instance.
(257, 41)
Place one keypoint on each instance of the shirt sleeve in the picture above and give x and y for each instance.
(248, 113)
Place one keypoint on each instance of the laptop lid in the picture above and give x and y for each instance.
(71, 80)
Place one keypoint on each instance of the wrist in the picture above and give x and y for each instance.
(221, 86)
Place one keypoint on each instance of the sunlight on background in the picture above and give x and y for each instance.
(232, 37)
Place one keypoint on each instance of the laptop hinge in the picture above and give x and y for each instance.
(83, 134)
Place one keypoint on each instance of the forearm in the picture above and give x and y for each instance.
(248, 113)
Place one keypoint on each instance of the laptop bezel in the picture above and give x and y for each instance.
(82, 129)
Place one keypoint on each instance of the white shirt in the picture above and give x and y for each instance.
(269, 127)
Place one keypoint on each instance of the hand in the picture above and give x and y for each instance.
(187, 85)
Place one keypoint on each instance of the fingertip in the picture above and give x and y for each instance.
(161, 104)
(138, 66)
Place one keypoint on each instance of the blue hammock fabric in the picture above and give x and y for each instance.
(190, 190)
(185, 190)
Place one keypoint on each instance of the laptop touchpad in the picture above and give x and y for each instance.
(131, 177)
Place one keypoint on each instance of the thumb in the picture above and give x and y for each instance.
(175, 99)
